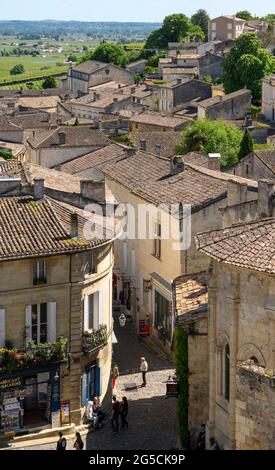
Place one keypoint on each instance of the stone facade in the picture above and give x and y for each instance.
(225, 28)
(229, 107)
(268, 98)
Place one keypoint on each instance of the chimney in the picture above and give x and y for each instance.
(74, 225)
(236, 192)
(158, 149)
(176, 164)
(130, 151)
(133, 89)
(143, 144)
(38, 189)
(214, 161)
(178, 81)
(115, 100)
(62, 138)
(96, 96)
(265, 197)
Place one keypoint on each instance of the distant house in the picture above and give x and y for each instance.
(149, 121)
(225, 27)
(91, 73)
(137, 67)
(19, 127)
(235, 105)
(175, 73)
(259, 164)
(64, 143)
(179, 93)
(93, 104)
(268, 97)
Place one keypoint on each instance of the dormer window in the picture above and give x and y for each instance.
(39, 272)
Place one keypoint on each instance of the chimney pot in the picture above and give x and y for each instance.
(214, 161)
(178, 81)
(38, 189)
(115, 100)
(143, 144)
(130, 151)
(74, 225)
(176, 164)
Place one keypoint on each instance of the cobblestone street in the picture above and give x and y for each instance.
(152, 418)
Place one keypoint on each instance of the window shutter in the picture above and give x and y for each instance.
(28, 324)
(51, 322)
(86, 313)
(133, 262)
(85, 398)
(96, 310)
(2, 327)
(125, 254)
(100, 308)
(98, 390)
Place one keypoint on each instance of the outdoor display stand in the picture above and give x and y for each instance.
(144, 328)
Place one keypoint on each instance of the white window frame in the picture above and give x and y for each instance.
(39, 322)
(39, 272)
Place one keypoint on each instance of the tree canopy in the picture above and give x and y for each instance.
(17, 69)
(208, 136)
(246, 145)
(201, 18)
(244, 15)
(174, 29)
(245, 65)
(109, 53)
(49, 82)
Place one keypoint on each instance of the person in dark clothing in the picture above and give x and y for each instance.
(124, 412)
(61, 443)
(78, 445)
(115, 414)
(201, 438)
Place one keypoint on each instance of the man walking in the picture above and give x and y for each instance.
(143, 369)
(61, 443)
(115, 414)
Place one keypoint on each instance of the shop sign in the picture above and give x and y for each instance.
(172, 389)
(9, 383)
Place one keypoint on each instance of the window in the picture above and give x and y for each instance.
(91, 263)
(157, 240)
(247, 169)
(39, 272)
(163, 318)
(227, 372)
(92, 311)
(39, 323)
(213, 26)
(91, 384)
(229, 26)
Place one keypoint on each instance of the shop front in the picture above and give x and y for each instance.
(30, 398)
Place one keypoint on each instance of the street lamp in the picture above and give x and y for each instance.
(122, 319)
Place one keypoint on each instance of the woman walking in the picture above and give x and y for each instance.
(78, 445)
(124, 412)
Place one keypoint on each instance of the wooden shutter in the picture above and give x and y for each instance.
(98, 381)
(85, 398)
(2, 327)
(86, 313)
(28, 324)
(51, 322)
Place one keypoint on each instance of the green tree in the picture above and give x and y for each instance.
(109, 53)
(208, 136)
(72, 58)
(6, 154)
(174, 29)
(17, 69)
(49, 82)
(180, 347)
(197, 34)
(244, 15)
(246, 145)
(245, 65)
(201, 18)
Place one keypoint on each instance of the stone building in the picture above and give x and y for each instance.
(225, 28)
(268, 97)
(91, 73)
(64, 143)
(236, 105)
(241, 325)
(149, 121)
(55, 311)
(179, 94)
(260, 164)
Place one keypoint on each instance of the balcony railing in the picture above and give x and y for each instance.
(94, 339)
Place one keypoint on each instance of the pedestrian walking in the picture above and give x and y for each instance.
(143, 369)
(115, 374)
(201, 438)
(124, 412)
(61, 443)
(78, 445)
(115, 414)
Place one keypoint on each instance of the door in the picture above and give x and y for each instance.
(30, 401)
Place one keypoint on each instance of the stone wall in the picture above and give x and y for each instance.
(255, 416)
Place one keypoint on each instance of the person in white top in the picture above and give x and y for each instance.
(143, 369)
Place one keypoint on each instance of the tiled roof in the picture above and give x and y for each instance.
(39, 102)
(76, 136)
(267, 157)
(191, 294)
(157, 119)
(166, 140)
(105, 100)
(180, 70)
(23, 121)
(222, 99)
(29, 229)
(13, 169)
(150, 177)
(249, 245)
(90, 66)
(92, 159)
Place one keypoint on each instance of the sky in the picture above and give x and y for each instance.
(124, 10)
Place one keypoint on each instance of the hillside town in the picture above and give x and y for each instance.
(137, 247)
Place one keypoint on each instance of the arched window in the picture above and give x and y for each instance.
(227, 372)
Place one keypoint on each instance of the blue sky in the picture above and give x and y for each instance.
(124, 10)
